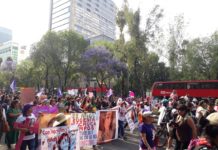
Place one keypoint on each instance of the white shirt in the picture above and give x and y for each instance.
(200, 112)
(21, 119)
(162, 111)
(121, 113)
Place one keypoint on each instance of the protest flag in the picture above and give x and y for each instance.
(109, 93)
(131, 94)
(59, 94)
(40, 92)
(13, 86)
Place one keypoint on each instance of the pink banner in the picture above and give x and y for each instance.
(44, 109)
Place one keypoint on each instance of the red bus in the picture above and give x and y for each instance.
(198, 89)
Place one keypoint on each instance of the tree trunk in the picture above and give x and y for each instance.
(46, 77)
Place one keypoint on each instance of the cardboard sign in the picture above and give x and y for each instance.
(87, 124)
(60, 138)
(131, 119)
(27, 95)
(108, 126)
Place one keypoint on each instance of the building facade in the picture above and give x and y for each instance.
(90, 18)
(5, 35)
(9, 49)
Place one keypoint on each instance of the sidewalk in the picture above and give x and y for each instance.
(3, 147)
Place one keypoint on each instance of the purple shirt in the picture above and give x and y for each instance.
(148, 129)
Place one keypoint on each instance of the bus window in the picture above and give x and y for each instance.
(209, 85)
(193, 85)
(158, 86)
(180, 86)
(215, 85)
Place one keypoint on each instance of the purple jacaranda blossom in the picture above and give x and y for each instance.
(99, 61)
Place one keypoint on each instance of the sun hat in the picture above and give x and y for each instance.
(148, 113)
(60, 118)
(119, 101)
(213, 118)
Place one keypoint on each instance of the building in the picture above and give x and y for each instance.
(9, 49)
(5, 35)
(102, 37)
(90, 18)
(23, 53)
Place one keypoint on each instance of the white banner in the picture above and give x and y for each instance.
(60, 138)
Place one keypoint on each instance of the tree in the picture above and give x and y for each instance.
(176, 47)
(98, 62)
(1, 61)
(41, 54)
(137, 47)
(59, 54)
(72, 46)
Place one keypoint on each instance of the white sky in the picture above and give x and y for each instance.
(28, 19)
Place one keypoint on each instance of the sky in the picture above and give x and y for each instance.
(29, 19)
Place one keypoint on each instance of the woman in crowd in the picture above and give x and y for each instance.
(147, 132)
(209, 138)
(121, 118)
(2, 120)
(185, 128)
(28, 118)
(12, 114)
(211, 130)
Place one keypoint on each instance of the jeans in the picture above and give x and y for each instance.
(121, 128)
(29, 143)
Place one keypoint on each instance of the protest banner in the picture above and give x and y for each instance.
(87, 124)
(73, 92)
(27, 95)
(108, 126)
(44, 109)
(131, 119)
(60, 138)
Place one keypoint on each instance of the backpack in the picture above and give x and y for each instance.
(167, 116)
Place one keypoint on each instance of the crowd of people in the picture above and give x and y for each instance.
(191, 123)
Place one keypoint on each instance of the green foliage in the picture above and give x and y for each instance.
(60, 59)
(59, 54)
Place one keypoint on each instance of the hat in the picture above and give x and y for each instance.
(46, 101)
(148, 113)
(194, 100)
(60, 118)
(119, 101)
(26, 108)
(165, 101)
(134, 103)
(213, 118)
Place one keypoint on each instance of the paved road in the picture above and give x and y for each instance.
(130, 144)
(119, 145)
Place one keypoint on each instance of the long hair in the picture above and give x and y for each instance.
(61, 138)
(13, 103)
